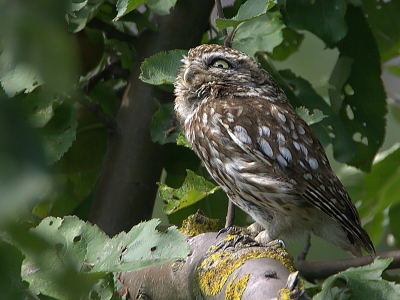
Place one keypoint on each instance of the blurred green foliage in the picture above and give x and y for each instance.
(63, 68)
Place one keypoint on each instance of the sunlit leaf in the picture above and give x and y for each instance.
(192, 190)
(17, 77)
(162, 68)
(182, 141)
(262, 33)
(143, 246)
(310, 118)
(249, 10)
(161, 7)
(126, 6)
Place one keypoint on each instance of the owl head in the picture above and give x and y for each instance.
(218, 68)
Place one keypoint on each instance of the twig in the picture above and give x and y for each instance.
(304, 253)
(312, 270)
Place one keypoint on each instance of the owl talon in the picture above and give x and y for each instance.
(276, 242)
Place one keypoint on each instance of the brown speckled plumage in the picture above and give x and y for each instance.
(264, 156)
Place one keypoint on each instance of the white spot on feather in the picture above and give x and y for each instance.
(266, 148)
(313, 163)
(286, 153)
(242, 134)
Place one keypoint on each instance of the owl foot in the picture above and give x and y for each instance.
(233, 230)
(236, 241)
(263, 238)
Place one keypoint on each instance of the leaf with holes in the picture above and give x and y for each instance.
(192, 190)
(310, 118)
(76, 256)
(69, 249)
(363, 108)
(360, 283)
(162, 68)
(143, 246)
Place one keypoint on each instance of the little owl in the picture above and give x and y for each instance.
(263, 155)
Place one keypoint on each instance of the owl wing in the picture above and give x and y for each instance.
(284, 147)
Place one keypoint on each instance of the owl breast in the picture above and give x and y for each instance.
(243, 176)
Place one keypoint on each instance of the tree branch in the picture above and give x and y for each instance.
(217, 268)
(312, 270)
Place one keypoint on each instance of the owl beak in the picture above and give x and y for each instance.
(187, 75)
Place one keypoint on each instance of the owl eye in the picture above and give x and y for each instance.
(220, 63)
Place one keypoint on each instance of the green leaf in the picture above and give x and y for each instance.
(126, 6)
(104, 93)
(162, 68)
(192, 190)
(249, 10)
(60, 269)
(11, 284)
(262, 33)
(315, 117)
(363, 108)
(60, 132)
(17, 77)
(161, 7)
(290, 44)
(76, 256)
(35, 33)
(182, 141)
(164, 124)
(324, 18)
(38, 108)
(143, 246)
(360, 283)
(382, 183)
(383, 16)
(81, 13)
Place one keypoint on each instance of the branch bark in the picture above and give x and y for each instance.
(217, 268)
(312, 270)
(127, 185)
